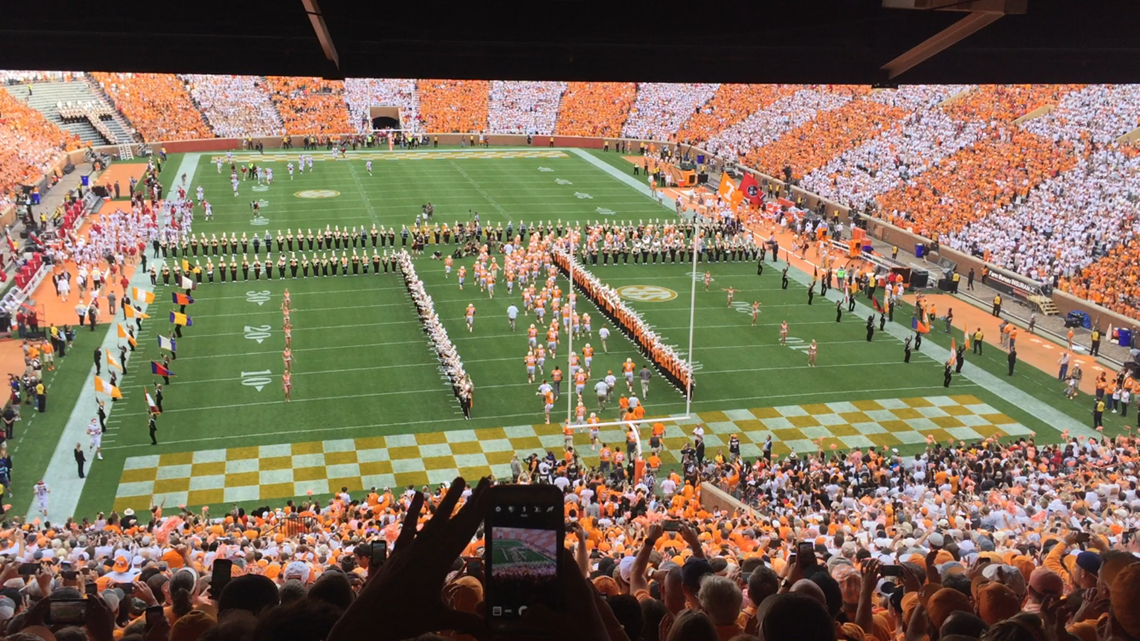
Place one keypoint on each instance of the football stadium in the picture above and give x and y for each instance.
(261, 319)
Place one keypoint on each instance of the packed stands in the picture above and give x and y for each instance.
(1005, 103)
(1066, 222)
(984, 540)
(235, 106)
(454, 105)
(524, 107)
(29, 146)
(729, 105)
(661, 108)
(310, 105)
(996, 172)
(766, 125)
(1097, 114)
(362, 93)
(821, 138)
(156, 104)
(860, 174)
(595, 108)
(833, 132)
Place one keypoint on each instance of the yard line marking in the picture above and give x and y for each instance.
(304, 349)
(360, 186)
(479, 189)
(296, 373)
(296, 294)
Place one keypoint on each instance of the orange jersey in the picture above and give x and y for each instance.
(627, 367)
(588, 352)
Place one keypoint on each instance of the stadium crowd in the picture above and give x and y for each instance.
(157, 105)
(310, 105)
(30, 146)
(989, 541)
(235, 106)
(661, 108)
(453, 105)
(595, 108)
(730, 104)
(767, 125)
(524, 107)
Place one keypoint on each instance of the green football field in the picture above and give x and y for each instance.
(371, 407)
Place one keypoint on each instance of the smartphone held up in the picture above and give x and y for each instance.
(524, 532)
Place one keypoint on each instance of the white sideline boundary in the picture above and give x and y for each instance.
(63, 481)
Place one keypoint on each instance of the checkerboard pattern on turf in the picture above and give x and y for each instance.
(322, 467)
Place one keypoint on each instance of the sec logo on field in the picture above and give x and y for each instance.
(646, 293)
(317, 193)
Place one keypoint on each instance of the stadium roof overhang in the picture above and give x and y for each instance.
(806, 41)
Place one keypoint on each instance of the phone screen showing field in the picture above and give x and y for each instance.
(523, 570)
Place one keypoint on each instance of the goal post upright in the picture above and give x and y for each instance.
(687, 391)
(692, 315)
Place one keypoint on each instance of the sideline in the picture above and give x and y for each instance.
(640, 187)
(1056, 419)
(66, 487)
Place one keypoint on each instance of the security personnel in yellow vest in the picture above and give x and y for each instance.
(955, 278)
(436, 141)
(978, 338)
(552, 141)
(997, 305)
(895, 252)
(1095, 350)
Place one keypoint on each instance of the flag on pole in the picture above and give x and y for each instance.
(142, 295)
(953, 353)
(966, 331)
(751, 189)
(920, 326)
(12, 244)
(102, 387)
(181, 299)
(878, 307)
(187, 283)
(181, 319)
(128, 311)
(112, 362)
(167, 344)
(122, 332)
(150, 402)
(159, 369)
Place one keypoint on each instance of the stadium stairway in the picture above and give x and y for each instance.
(46, 95)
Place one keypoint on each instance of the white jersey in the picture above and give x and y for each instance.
(604, 333)
(42, 491)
